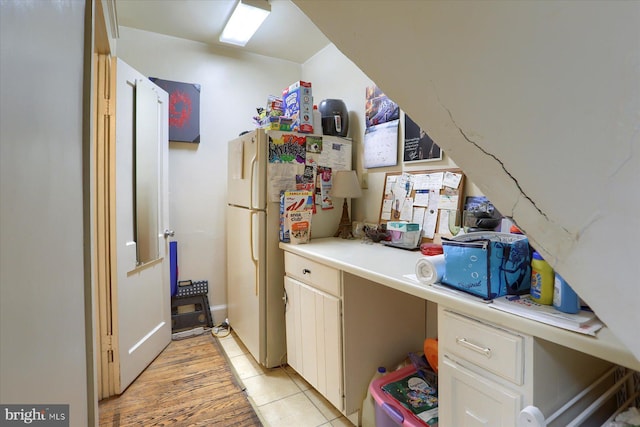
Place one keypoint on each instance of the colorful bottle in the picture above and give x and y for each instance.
(564, 298)
(317, 121)
(542, 279)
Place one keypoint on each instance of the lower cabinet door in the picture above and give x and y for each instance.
(470, 400)
(314, 338)
(329, 344)
(292, 324)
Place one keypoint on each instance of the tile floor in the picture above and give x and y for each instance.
(279, 395)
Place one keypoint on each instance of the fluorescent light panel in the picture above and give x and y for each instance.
(245, 21)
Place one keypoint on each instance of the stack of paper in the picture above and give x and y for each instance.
(584, 321)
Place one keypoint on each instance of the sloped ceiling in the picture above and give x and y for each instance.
(286, 33)
(539, 103)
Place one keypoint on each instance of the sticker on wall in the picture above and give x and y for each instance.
(184, 109)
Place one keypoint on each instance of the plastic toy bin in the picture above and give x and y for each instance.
(389, 411)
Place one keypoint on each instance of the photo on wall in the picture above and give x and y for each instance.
(418, 146)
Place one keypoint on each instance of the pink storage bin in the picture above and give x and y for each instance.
(390, 412)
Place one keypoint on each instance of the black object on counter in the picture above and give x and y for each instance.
(335, 117)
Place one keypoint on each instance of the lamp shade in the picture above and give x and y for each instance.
(345, 184)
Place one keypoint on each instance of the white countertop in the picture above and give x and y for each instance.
(388, 266)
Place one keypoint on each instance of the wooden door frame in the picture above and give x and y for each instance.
(104, 208)
(105, 356)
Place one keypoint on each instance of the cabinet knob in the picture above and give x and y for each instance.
(306, 271)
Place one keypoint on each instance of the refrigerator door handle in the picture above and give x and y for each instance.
(254, 250)
(254, 182)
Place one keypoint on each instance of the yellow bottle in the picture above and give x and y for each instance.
(542, 279)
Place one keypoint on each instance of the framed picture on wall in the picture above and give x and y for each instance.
(418, 146)
(184, 109)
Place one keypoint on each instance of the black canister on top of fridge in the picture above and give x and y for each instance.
(335, 117)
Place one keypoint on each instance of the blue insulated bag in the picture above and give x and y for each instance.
(488, 264)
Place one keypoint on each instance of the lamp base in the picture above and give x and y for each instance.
(344, 228)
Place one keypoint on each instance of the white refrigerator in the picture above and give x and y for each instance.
(255, 263)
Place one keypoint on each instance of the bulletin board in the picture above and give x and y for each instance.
(425, 197)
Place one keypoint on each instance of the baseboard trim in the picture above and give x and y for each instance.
(218, 313)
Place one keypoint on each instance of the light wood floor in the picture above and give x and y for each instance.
(189, 384)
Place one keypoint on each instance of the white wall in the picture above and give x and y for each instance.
(42, 278)
(333, 75)
(539, 103)
(233, 84)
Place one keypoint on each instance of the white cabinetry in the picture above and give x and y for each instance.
(472, 400)
(487, 374)
(469, 352)
(341, 327)
(314, 326)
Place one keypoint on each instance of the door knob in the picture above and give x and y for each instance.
(168, 233)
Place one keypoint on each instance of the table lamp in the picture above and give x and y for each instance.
(345, 184)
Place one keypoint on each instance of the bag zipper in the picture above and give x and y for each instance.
(481, 244)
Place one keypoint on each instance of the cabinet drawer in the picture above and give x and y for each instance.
(468, 399)
(313, 273)
(493, 349)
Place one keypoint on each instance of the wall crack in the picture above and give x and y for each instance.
(568, 236)
(502, 165)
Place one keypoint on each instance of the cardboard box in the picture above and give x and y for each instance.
(274, 106)
(278, 123)
(298, 105)
(299, 224)
(293, 201)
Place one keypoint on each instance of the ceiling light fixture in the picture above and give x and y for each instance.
(245, 21)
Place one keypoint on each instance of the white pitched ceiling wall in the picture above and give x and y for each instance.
(539, 103)
(287, 33)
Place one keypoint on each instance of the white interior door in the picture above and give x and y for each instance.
(142, 291)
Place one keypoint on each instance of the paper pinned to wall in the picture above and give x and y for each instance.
(451, 179)
(429, 181)
(423, 197)
(386, 209)
(429, 223)
(448, 201)
(418, 215)
(407, 210)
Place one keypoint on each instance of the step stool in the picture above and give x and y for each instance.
(200, 316)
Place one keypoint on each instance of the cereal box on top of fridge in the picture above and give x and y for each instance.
(298, 105)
